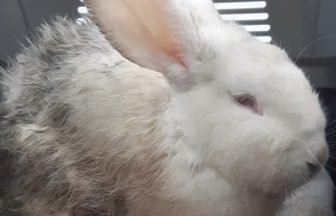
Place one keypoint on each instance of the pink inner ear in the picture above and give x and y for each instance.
(175, 53)
(156, 20)
(142, 30)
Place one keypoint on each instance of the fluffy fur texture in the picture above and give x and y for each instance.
(90, 133)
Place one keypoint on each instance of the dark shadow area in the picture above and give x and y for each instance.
(328, 99)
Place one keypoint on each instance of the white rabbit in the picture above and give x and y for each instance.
(213, 123)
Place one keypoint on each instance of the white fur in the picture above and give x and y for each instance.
(312, 199)
(173, 141)
(224, 159)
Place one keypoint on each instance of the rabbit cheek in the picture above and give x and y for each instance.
(256, 160)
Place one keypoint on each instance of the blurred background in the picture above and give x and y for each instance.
(305, 28)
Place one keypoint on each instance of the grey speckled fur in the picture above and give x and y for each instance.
(36, 166)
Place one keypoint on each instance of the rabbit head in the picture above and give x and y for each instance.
(248, 112)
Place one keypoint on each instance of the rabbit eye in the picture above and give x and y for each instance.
(249, 101)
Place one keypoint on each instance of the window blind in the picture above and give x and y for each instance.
(252, 15)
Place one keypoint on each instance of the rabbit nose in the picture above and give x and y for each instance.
(318, 161)
(313, 168)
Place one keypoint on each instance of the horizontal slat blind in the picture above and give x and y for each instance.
(83, 12)
(252, 15)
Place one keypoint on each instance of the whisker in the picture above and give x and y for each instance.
(330, 122)
(304, 178)
(328, 132)
(312, 43)
(330, 135)
(331, 138)
(314, 158)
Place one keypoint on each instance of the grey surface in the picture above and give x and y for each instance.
(294, 24)
(12, 28)
(321, 77)
(20, 17)
(43, 10)
(326, 33)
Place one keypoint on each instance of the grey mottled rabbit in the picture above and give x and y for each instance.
(195, 117)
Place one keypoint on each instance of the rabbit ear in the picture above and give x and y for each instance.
(141, 31)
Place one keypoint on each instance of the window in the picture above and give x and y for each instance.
(251, 15)
(83, 12)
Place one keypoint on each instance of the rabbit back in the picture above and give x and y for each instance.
(82, 124)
